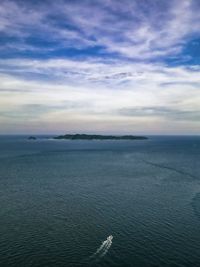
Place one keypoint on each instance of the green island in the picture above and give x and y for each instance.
(99, 137)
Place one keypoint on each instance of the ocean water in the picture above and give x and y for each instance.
(100, 203)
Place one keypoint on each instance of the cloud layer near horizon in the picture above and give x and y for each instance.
(100, 66)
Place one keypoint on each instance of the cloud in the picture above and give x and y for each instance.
(98, 73)
(132, 29)
(163, 112)
(107, 64)
(36, 111)
(98, 88)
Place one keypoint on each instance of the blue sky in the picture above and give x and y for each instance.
(100, 66)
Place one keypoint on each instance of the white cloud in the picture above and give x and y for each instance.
(128, 28)
(98, 91)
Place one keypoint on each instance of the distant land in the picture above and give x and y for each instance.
(32, 138)
(99, 137)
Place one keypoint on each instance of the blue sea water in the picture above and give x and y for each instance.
(61, 201)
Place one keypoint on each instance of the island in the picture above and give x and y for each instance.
(99, 137)
(32, 138)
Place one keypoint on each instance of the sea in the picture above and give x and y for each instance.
(67, 203)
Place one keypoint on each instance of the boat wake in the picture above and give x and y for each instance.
(103, 249)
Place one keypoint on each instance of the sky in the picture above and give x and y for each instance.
(100, 66)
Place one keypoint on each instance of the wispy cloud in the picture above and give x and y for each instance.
(163, 112)
(134, 29)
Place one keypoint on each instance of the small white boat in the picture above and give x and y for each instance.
(110, 238)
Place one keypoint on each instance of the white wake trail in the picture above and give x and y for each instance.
(103, 249)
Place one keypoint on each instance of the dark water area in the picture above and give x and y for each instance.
(61, 201)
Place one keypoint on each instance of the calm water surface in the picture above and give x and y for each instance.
(61, 199)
